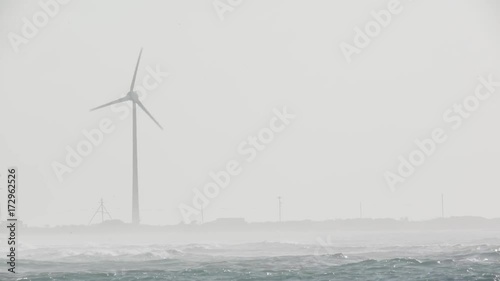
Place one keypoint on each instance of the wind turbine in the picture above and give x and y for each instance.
(134, 98)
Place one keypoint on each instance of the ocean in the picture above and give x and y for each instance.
(322, 260)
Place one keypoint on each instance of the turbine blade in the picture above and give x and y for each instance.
(147, 112)
(126, 98)
(135, 72)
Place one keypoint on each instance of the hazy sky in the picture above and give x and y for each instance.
(352, 120)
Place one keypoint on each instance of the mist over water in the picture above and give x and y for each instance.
(440, 255)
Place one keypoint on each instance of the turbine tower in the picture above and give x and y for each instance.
(134, 98)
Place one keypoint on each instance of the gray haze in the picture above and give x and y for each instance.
(352, 120)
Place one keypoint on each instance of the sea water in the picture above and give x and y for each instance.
(259, 261)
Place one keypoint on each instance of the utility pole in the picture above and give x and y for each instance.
(360, 210)
(102, 210)
(202, 219)
(279, 208)
(442, 205)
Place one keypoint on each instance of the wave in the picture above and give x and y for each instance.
(259, 261)
(317, 253)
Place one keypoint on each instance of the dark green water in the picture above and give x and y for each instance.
(259, 261)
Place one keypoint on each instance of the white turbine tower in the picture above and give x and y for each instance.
(134, 98)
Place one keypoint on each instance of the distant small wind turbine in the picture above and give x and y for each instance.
(134, 98)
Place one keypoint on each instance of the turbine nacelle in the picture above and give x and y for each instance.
(133, 96)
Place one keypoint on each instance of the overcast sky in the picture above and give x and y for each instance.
(352, 120)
